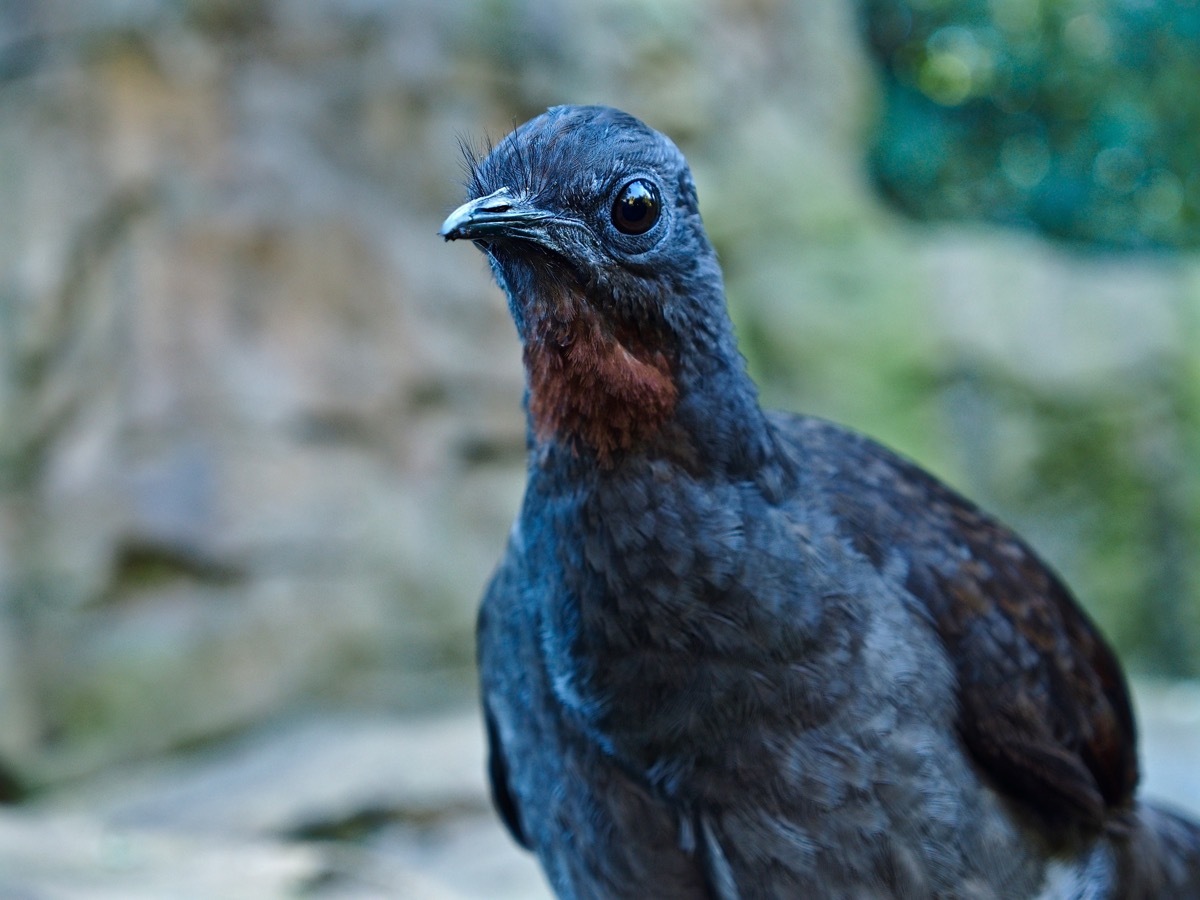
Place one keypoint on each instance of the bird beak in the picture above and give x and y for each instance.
(499, 214)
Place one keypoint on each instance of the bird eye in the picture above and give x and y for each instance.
(636, 208)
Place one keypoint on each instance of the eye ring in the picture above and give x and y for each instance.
(637, 208)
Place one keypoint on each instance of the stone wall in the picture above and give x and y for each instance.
(260, 437)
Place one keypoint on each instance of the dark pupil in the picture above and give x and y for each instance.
(637, 208)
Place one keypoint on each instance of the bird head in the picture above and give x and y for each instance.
(590, 221)
(586, 199)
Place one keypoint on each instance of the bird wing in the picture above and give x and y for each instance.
(1042, 703)
(593, 821)
(496, 600)
(502, 796)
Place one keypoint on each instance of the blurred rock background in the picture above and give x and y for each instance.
(260, 437)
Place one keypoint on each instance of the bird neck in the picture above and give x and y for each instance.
(595, 389)
(604, 393)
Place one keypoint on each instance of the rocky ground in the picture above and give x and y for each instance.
(352, 807)
(318, 806)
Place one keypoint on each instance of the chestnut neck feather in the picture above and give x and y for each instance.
(591, 387)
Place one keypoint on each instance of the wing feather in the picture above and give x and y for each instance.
(1043, 706)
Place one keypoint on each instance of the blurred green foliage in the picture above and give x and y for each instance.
(1080, 118)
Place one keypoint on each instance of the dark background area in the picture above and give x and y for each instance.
(260, 430)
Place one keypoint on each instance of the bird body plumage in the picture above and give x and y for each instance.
(738, 654)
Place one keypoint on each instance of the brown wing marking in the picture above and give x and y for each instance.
(1043, 705)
